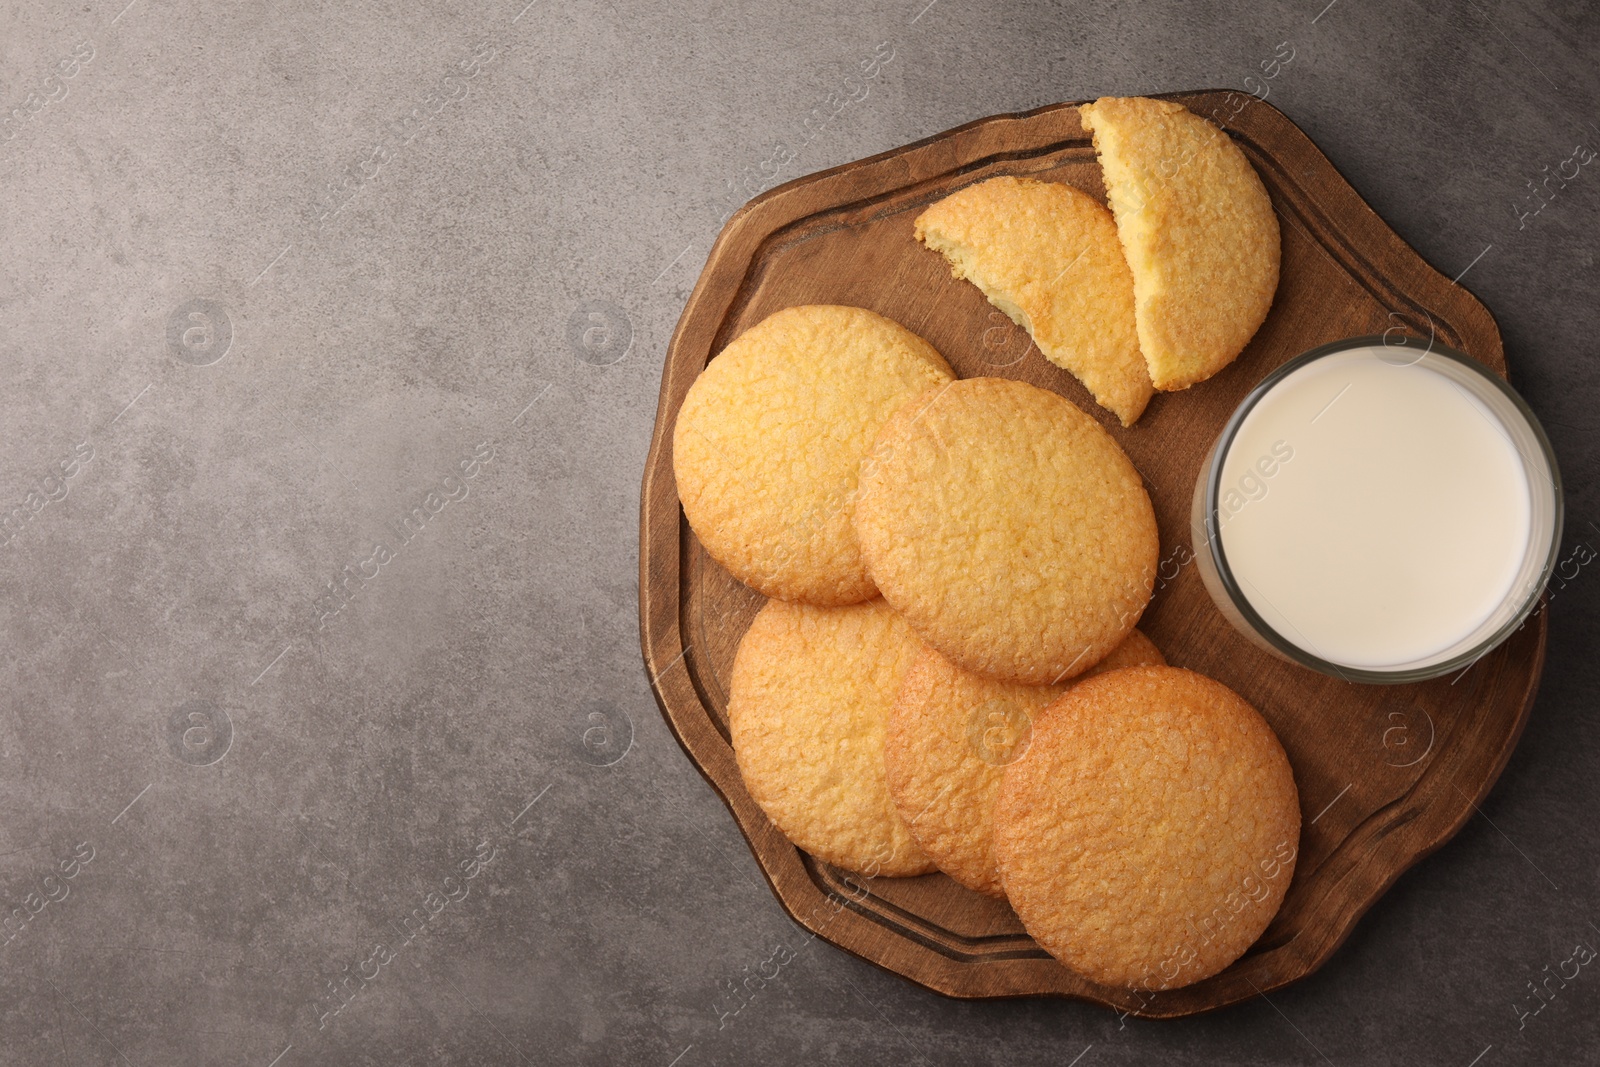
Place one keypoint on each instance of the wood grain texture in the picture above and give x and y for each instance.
(1386, 773)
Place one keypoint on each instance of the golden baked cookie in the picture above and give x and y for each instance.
(951, 735)
(807, 707)
(1008, 528)
(770, 437)
(1151, 832)
(1047, 255)
(1198, 229)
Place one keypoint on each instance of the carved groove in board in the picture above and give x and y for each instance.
(1357, 266)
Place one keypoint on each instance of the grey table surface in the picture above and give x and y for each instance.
(273, 276)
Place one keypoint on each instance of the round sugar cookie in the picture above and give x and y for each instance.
(1198, 229)
(1008, 528)
(770, 437)
(1149, 836)
(807, 707)
(951, 735)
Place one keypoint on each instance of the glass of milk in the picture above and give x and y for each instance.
(1381, 510)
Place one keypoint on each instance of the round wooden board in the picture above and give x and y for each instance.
(1386, 773)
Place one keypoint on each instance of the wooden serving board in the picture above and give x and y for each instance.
(1386, 773)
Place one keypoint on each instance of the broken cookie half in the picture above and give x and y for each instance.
(1048, 256)
(1198, 228)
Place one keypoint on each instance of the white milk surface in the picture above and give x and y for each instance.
(1373, 514)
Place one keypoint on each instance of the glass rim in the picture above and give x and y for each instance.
(1295, 652)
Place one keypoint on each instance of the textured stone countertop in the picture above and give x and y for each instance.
(272, 274)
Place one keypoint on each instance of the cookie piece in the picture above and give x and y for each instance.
(1047, 255)
(1151, 832)
(951, 735)
(770, 437)
(807, 707)
(1008, 528)
(1197, 227)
